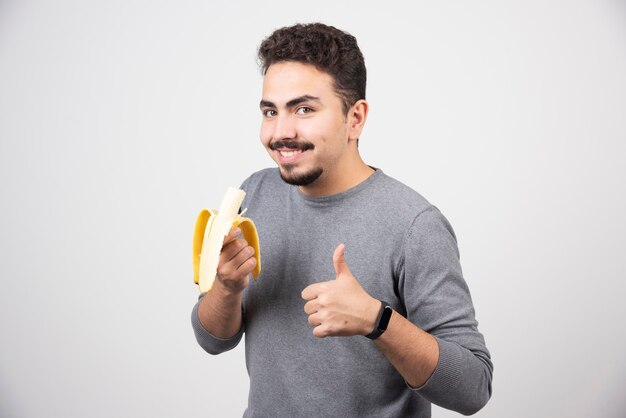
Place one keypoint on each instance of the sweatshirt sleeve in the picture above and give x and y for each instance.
(210, 343)
(438, 301)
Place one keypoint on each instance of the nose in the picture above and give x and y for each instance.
(284, 127)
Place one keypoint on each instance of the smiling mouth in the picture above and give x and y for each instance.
(289, 153)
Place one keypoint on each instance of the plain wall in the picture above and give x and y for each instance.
(120, 120)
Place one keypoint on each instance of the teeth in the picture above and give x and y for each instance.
(289, 153)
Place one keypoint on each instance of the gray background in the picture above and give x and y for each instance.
(120, 120)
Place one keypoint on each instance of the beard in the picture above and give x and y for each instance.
(300, 179)
(287, 171)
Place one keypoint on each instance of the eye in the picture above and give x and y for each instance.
(268, 113)
(303, 110)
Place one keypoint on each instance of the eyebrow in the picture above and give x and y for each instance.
(291, 103)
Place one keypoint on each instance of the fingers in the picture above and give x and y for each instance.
(314, 320)
(237, 248)
(237, 255)
(236, 260)
(232, 234)
(311, 307)
(312, 291)
(308, 293)
(321, 331)
(318, 319)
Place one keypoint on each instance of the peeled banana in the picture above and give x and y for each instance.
(210, 230)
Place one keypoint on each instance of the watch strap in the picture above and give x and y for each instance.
(384, 315)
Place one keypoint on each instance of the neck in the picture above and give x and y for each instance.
(344, 177)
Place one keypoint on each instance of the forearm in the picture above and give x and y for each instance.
(219, 311)
(444, 372)
(413, 352)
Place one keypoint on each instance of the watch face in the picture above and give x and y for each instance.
(384, 319)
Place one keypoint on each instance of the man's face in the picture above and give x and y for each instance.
(304, 128)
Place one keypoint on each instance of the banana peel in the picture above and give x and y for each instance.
(209, 232)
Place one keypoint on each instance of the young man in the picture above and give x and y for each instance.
(348, 253)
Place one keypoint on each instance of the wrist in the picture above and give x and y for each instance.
(383, 317)
(224, 290)
(219, 311)
(373, 308)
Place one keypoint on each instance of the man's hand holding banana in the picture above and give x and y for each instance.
(237, 261)
(218, 253)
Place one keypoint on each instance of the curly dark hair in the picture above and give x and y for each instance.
(329, 49)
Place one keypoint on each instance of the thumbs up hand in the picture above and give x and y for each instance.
(340, 307)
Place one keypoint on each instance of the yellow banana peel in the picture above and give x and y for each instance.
(208, 238)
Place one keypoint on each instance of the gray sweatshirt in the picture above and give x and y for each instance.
(403, 251)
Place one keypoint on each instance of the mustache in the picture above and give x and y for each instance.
(291, 144)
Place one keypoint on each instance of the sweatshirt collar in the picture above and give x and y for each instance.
(331, 199)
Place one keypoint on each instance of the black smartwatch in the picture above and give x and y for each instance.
(384, 315)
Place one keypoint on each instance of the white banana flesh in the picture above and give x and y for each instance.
(210, 231)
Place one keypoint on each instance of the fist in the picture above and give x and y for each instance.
(340, 307)
(236, 262)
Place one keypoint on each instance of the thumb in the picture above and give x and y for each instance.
(341, 267)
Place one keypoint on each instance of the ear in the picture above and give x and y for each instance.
(356, 118)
